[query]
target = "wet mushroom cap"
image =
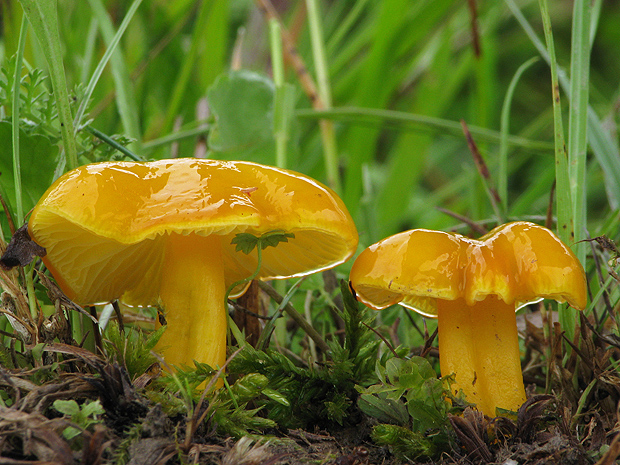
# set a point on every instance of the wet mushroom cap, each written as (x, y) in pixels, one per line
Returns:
(104, 225)
(518, 262)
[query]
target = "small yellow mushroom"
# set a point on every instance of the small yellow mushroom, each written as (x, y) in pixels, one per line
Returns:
(473, 288)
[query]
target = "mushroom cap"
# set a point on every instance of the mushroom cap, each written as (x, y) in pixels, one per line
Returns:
(105, 225)
(519, 262)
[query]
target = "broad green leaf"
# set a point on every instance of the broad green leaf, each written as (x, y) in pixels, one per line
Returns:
(38, 159)
(67, 407)
(92, 408)
(242, 102)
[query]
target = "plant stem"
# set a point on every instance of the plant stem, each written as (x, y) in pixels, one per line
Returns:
(279, 117)
(112, 143)
(17, 175)
(320, 64)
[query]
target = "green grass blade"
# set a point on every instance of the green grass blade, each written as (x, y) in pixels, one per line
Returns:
(112, 143)
(346, 27)
(604, 148)
(201, 130)
(330, 150)
(410, 121)
(595, 16)
(412, 151)
(17, 177)
(565, 225)
(578, 120)
(101, 18)
(502, 175)
(43, 17)
(208, 39)
(279, 122)
(89, 53)
(378, 80)
(125, 99)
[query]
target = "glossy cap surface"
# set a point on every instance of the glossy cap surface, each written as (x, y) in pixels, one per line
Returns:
(103, 224)
(518, 262)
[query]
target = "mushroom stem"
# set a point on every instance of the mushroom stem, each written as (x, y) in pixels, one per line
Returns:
(192, 293)
(480, 346)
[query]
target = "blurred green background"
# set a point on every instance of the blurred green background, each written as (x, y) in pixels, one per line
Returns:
(419, 57)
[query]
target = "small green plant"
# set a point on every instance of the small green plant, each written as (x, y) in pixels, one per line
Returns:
(84, 416)
(246, 242)
(230, 409)
(323, 394)
(404, 443)
(131, 348)
(412, 405)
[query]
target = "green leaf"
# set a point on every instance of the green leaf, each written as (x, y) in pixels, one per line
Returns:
(427, 406)
(71, 432)
(67, 407)
(242, 102)
(272, 239)
(92, 408)
(276, 396)
(246, 242)
(38, 158)
(384, 409)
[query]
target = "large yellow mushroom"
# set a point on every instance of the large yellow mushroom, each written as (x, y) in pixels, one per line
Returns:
(160, 233)
(473, 287)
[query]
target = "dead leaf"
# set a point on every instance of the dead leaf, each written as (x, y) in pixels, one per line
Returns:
(21, 250)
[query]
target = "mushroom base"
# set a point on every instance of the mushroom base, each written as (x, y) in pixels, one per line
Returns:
(479, 345)
(192, 293)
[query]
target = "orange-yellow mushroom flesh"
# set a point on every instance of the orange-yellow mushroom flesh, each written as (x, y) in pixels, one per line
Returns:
(161, 232)
(479, 344)
(193, 278)
(473, 287)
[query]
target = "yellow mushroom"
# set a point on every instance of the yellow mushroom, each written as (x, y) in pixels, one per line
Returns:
(160, 232)
(473, 287)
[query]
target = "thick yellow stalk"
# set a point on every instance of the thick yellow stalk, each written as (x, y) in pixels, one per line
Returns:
(192, 293)
(480, 345)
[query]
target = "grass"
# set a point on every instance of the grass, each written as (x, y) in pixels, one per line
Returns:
(371, 103)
